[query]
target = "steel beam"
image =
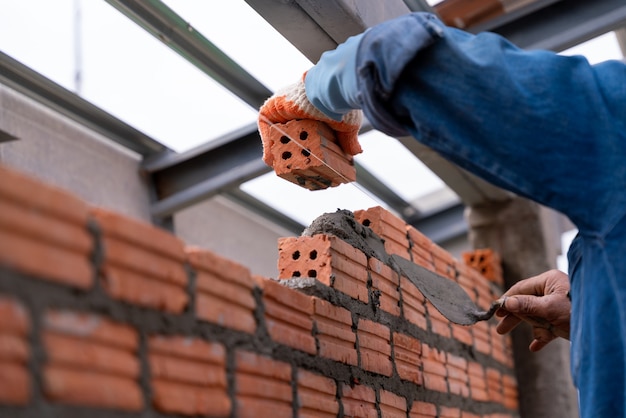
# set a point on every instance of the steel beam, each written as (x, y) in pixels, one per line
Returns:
(443, 225)
(563, 24)
(181, 180)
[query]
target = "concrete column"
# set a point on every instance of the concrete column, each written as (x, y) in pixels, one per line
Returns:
(518, 230)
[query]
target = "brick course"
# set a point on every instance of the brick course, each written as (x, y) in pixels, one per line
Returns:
(174, 330)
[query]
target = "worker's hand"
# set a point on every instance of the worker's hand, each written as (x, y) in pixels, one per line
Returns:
(542, 301)
(291, 103)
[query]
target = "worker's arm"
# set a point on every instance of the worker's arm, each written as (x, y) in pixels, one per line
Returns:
(539, 124)
(544, 297)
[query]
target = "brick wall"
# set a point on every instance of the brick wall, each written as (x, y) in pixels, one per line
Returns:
(105, 316)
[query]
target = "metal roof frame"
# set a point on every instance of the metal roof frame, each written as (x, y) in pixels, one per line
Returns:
(313, 26)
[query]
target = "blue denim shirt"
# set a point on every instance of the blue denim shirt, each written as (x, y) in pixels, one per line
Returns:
(544, 126)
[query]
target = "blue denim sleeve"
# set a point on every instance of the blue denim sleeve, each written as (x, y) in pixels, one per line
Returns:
(331, 85)
(544, 126)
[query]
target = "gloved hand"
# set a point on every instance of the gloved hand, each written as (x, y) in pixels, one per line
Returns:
(292, 103)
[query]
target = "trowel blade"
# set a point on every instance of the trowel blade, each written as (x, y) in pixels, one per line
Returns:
(446, 295)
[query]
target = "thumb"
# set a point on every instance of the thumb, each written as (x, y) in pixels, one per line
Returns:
(525, 305)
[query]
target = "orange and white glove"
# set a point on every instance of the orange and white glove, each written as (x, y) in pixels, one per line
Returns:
(291, 103)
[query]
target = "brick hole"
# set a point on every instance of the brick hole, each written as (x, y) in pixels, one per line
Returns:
(312, 273)
(284, 139)
(313, 255)
(295, 255)
(286, 155)
(296, 274)
(306, 152)
(481, 259)
(366, 222)
(304, 135)
(483, 270)
(472, 259)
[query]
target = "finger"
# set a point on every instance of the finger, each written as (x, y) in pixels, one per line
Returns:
(531, 286)
(543, 337)
(527, 306)
(507, 324)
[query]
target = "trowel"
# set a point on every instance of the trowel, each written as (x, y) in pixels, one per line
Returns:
(449, 298)
(446, 295)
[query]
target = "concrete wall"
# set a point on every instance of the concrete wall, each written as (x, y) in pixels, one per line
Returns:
(62, 152)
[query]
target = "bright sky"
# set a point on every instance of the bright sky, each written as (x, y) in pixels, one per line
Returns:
(130, 74)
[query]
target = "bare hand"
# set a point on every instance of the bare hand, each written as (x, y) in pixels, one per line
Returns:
(543, 302)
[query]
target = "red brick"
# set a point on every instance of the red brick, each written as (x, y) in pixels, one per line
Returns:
(148, 264)
(420, 248)
(443, 261)
(15, 382)
(192, 348)
(14, 348)
(465, 414)
(88, 355)
(485, 294)
(434, 364)
(224, 291)
(494, 385)
(498, 345)
(462, 333)
(408, 358)
(334, 332)
(93, 327)
(15, 385)
(482, 341)
(41, 226)
(387, 281)
(188, 376)
(13, 317)
(328, 259)
(423, 410)
(305, 152)
(477, 382)
(509, 389)
(439, 324)
(140, 290)
(316, 396)
(38, 196)
(139, 234)
(467, 278)
(197, 373)
(413, 303)
(105, 352)
(448, 412)
(142, 264)
(178, 398)
(392, 405)
(262, 386)
(374, 347)
(388, 226)
(45, 261)
(486, 261)
(359, 401)
(71, 386)
(458, 380)
(288, 316)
